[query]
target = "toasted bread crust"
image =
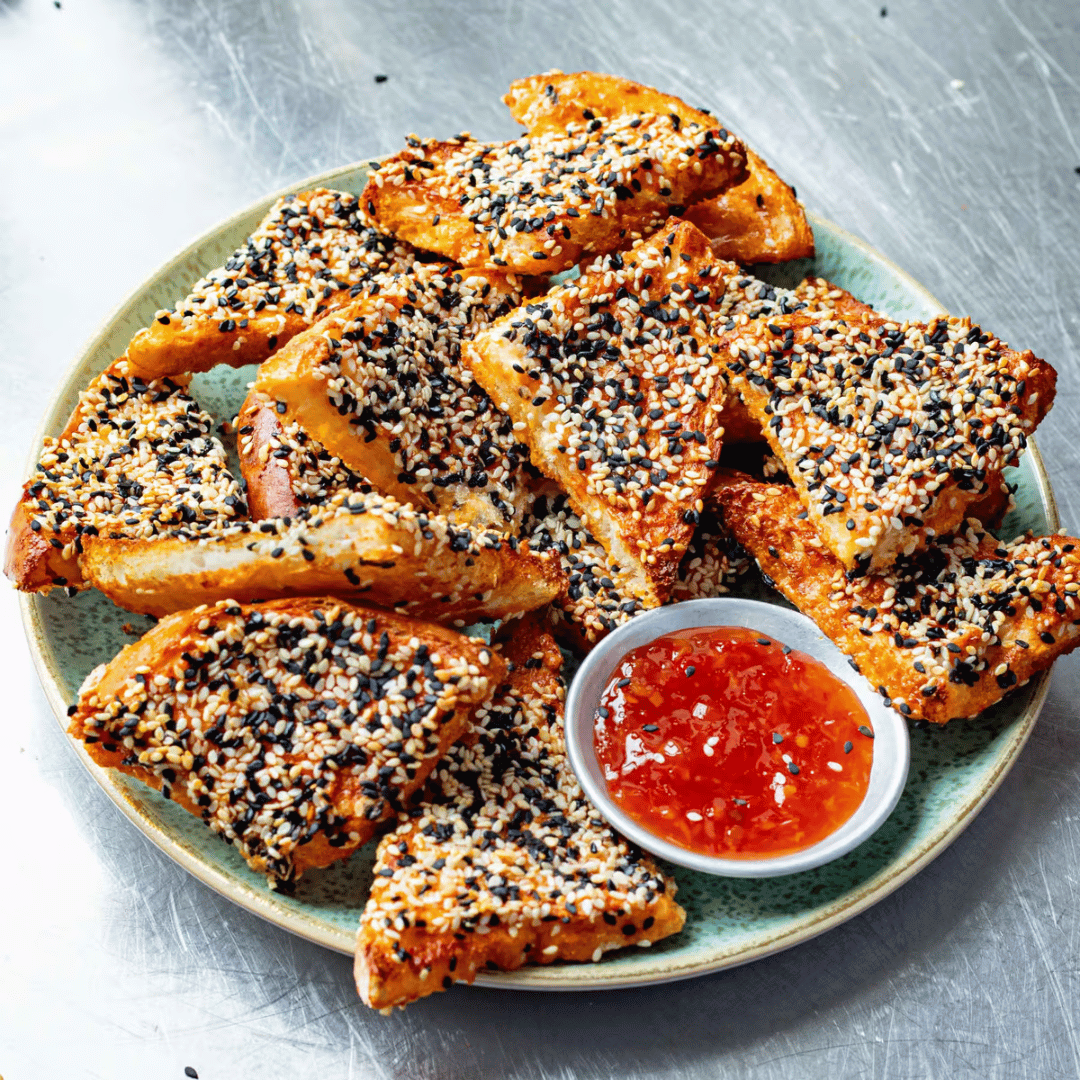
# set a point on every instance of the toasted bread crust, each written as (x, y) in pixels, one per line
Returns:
(637, 475)
(134, 459)
(508, 777)
(918, 435)
(379, 385)
(366, 547)
(932, 609)
(310, 255)
(548, 199)
(757, 221)
(127, 717)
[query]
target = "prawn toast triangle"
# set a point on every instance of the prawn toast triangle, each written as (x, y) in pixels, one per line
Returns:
(136, 459)
(757, 221)
(311, 253)
(611, 381)
(542, 202)
(292, 729)
(505, 862)
(943, 633)
(889, 432)
(380, 386)
(360, 546)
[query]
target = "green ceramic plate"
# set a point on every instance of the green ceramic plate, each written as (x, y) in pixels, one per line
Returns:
(953, 771)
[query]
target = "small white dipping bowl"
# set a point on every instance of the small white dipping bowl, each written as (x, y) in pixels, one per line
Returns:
(892, 749)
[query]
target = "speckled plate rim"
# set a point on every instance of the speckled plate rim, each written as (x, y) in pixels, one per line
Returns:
(584, 977)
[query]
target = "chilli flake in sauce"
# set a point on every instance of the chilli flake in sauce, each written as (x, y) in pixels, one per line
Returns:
(725, 741)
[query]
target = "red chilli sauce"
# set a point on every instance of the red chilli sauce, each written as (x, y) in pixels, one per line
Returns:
(727, 742)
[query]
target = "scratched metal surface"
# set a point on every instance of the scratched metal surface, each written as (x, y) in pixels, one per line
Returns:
(946, 136)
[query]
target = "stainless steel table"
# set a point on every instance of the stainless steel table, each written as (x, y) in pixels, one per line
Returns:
(945, 135)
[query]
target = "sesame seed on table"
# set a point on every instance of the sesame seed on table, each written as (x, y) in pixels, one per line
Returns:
(293, 729)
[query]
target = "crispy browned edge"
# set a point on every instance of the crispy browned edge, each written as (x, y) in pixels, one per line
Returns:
(951, 505)
(757, 221)
(160, 576)
(383, 981)
(765, 519)
(163, 645)
(492, 357)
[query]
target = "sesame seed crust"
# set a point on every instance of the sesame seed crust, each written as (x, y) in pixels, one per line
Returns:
(714, 564)
(757, 221)
(136, 459)
(311, 254)
(506, 862)
(294, 730)
(750, 298)
(380, 386)
(546, 200)
(599, 594)
(611, 380)
(889, 431)
(358, 547)
(943, 633)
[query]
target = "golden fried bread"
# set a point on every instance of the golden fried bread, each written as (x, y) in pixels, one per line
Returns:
(379, 385)
(757, 221)
(312, 253)
(889, 432)
(610, 381)
(135, 459)
(283, 467)
(586, 185)
(943, 633)
(295, 729)
(358, 547)
(505, 862)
